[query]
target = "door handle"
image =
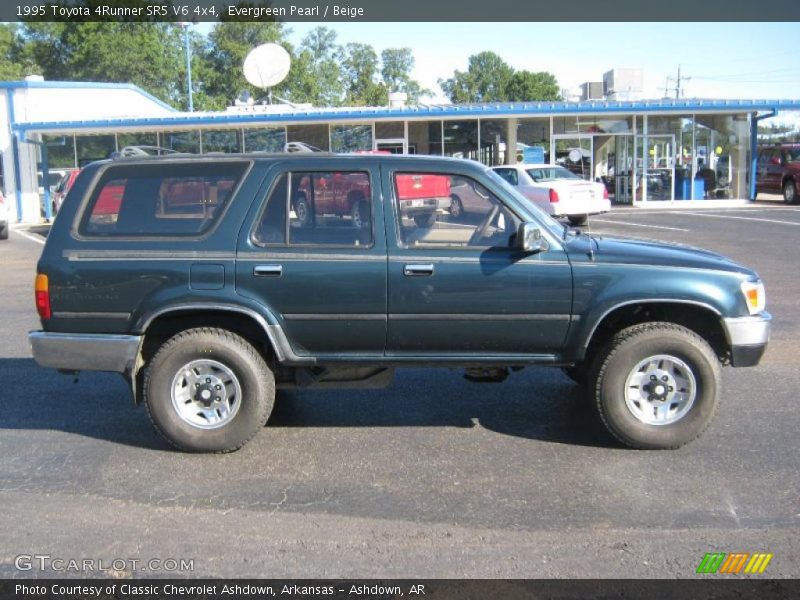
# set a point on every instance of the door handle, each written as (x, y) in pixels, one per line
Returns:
(418, 270)
(268, 270)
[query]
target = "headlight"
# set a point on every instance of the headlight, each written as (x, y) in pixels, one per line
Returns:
(754, 296)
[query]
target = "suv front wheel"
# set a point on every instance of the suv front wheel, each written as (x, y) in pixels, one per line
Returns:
(656, 385)
(208, 390)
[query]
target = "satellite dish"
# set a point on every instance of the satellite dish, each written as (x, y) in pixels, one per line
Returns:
(266, 65)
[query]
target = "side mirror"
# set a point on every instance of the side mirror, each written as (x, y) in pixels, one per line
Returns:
(529, 238)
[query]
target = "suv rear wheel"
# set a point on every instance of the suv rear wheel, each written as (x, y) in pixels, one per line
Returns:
(208, 390)
(789, 192)
(656, 385)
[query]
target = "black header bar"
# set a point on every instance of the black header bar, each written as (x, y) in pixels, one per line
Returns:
(431, 589)
(400, 10)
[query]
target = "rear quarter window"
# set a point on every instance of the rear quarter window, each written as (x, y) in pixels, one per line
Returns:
(161, 200)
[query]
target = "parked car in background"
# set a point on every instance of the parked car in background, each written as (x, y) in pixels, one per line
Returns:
(63, 186)
(3, 218)
(420, 196)
(557, 191)
(778, 171)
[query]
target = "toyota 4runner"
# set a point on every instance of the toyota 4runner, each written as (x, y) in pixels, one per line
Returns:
(203, 283)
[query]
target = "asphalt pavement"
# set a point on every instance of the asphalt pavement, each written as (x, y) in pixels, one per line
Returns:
(432, 477)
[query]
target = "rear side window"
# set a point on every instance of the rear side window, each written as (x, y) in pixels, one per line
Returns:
(317, 208)
(172, 199)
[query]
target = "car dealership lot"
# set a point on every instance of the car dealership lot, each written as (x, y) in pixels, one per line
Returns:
(432, 477)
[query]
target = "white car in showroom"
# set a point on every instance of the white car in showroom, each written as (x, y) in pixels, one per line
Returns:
(557, 191)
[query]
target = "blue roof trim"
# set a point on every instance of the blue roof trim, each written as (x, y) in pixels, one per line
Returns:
(93, 85)
(418, 112)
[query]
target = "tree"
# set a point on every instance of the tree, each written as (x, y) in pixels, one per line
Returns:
(397, 64)
(486, 80)
(218, 61)
(14, 63)
(490, 79)
(525, 86)
(146, 54)
(359, 64)
(316, 75)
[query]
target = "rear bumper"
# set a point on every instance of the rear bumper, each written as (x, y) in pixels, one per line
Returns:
(748, 338)
(407, 207)
(580, 207)
(85, 352)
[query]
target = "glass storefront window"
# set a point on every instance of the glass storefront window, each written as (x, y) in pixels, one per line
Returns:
(226, 140)
(351, 138)
(722, 148)
(461, 139)
(266, 139)
(390, 130)
(94, 147)
(533, 133)
(596, 124)
(137, 139)
(315, 135)
(563, 125)
(425, 137)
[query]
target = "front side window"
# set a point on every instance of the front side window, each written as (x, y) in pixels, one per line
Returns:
(330, 208)
(437, 210)
(183, 199)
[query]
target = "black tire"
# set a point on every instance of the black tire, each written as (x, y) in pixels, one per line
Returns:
(578, 220)
(255, 379)
(456, 207)
(360, 212)
(789, 192)
(302, 211)
(426, 221)
(617, 361)
(4, 232)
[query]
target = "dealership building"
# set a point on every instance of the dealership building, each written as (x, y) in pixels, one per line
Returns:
(649, 153)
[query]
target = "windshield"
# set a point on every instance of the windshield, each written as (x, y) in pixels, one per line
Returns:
(556, 228)
(550, 174)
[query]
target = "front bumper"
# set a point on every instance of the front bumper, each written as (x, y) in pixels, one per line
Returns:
(748, 338)
(85, 352)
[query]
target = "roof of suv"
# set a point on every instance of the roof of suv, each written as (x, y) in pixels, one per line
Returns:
(301, 156)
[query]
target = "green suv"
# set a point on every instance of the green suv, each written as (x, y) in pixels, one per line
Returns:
(198, 281)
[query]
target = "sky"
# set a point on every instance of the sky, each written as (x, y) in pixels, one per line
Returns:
(718, 60)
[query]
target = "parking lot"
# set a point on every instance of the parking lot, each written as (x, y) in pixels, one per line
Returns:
(432, 477)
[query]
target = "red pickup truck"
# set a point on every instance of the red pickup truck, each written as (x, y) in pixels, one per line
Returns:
(341, 194)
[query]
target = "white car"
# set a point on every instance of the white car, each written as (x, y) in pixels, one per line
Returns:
(3, 218)
(557, 191)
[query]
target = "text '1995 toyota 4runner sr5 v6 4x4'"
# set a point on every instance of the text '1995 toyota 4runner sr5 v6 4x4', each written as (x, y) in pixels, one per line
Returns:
(206, 289)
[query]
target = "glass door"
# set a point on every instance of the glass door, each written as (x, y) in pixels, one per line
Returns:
(620, 169)
(574, 152)
(656, 172)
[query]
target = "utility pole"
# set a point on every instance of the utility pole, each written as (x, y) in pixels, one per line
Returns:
(677, 80)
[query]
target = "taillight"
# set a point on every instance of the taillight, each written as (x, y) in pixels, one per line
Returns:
(553, 196)
(605, 193)
(43, 296)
